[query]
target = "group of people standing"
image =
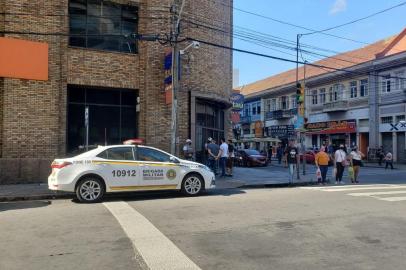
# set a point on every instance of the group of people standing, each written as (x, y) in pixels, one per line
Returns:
(341, 160)
(218, 155)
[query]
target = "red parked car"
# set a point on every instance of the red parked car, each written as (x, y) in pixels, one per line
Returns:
(251, 158)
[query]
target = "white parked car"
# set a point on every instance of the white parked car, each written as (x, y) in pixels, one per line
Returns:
(127, 168)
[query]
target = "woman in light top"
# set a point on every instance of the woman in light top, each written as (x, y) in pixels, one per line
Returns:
(356, 157)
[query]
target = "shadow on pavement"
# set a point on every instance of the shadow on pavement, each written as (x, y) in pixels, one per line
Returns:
(7, 206)
(155, 195)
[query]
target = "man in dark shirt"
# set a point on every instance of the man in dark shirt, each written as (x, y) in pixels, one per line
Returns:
(292, 159)
(213, 149)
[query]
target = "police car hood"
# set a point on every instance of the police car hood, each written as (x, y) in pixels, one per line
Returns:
(190, 163)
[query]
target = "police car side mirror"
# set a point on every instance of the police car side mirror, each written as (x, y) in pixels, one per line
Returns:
(174, 160)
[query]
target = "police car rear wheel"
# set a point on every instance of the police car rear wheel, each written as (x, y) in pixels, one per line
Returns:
(192, 185)
(90, 190)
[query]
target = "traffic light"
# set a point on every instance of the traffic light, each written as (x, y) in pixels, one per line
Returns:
(299, 93)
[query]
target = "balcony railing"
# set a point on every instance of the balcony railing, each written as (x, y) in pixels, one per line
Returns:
(336, 106)
(280, 114)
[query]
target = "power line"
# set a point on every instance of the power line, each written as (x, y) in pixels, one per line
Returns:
(356, 20)
(278, 39)
(249, 37)
(285, 59)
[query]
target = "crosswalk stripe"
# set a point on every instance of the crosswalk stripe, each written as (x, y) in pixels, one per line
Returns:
(391, 199)
(158, 252)
(360, 188)
(352, 186)
(376, 193)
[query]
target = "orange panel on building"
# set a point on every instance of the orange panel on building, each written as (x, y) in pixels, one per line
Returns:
(23, 59)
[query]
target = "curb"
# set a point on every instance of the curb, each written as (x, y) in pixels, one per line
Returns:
(36, 197)
(278, 185)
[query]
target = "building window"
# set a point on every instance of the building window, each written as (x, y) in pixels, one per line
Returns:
(400, 118)
(268, 105)
(363, 88)
(400, 82)
(386, 84)
(322, 95)
(254, 110)
(338, 91)
(284, 103)
(259, 108)
(353, 89)
(112, 116)
(293, 101)
(330, 94)
(314, 97)
(273, 104)
(102, 25)
(386, 120)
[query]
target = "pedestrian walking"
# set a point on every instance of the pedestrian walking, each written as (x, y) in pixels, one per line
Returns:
(213, 151)
(230, 160)
(270, 153)
(380, 155)
(321, 161)
(340, 159)
(223, 155)
(279, 153)
(188, 152)
(292, 160)
(389, 160)
(356, 162)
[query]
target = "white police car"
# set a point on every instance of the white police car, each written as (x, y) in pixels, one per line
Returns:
(127, 168)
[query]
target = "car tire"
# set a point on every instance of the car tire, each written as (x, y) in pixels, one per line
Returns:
(90, 190)
(192, 185)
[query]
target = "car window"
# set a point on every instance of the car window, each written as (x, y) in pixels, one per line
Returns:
(117, 153)
(148, 154)
(252, 152)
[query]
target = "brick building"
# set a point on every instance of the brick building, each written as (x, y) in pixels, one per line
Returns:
(92, 63)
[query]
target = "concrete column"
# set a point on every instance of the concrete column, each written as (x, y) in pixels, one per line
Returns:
(373, 102)
(379, 139)
(395, 146)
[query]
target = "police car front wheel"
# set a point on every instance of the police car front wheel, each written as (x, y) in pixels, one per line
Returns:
(192, 185)
(90, 190)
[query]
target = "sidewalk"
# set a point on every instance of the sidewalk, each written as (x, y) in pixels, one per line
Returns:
(22, 192)
(243, 178)
(274, 175)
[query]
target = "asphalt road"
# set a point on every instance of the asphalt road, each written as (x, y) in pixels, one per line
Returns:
(284, 228)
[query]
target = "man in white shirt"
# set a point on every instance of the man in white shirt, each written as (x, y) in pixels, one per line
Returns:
(340, 159)
(223, 154)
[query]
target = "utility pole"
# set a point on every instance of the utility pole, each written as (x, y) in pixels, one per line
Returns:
(297, 84)
(175, 72)
(304, 115)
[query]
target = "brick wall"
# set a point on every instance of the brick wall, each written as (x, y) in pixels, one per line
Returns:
(33, 113)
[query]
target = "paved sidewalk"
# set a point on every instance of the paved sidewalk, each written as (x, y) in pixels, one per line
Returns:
(274, 175)
(21, 192)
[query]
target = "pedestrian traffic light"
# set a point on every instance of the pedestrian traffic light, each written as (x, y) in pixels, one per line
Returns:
(299, 93)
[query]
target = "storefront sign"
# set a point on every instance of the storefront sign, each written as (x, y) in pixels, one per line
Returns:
(282, 131)
(398, 127)
(332, 127)
(238, 102)
(259, 131)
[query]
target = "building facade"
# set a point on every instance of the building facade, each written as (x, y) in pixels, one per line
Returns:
(95, 67)
(361, 102)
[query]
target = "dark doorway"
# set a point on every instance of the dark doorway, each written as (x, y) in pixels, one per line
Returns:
(112, 116)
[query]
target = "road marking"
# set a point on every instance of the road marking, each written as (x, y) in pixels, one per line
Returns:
(392, 199)
(361, 188)
(154, 247)
(351, 186)
(376, 193)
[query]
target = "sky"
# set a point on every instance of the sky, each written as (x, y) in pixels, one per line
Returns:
(314, 14)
